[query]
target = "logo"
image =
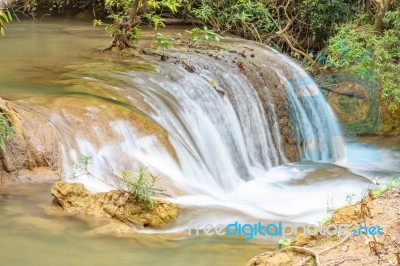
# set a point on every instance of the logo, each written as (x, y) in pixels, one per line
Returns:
(279, 229)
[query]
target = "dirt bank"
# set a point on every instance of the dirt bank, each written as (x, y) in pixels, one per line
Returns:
(354, 249)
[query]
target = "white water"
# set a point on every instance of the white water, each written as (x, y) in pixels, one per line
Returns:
(230, 156)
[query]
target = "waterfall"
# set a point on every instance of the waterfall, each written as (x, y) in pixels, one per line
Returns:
(316, 128)
(222, 142)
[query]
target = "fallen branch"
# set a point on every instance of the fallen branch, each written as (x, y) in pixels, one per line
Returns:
(336, 245)
(306, 251)
(350, 94)
(184, 21)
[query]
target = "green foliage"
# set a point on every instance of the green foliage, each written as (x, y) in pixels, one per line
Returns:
(197, 35)
(172, 5)
(349, 198)
(164, 42)
(140, 184)
(97, 22)
(125, 24)
(6, 131)
(325, 220)
(322, 16)
(358, 48)
(395, 183)
(245, 18)
(284, 243)
(156, 21)
(5, 17)
(330, 208)
(307, 23)
(312, 263)
(80, 167)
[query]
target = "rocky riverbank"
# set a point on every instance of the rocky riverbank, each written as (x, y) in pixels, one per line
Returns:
(353, 249)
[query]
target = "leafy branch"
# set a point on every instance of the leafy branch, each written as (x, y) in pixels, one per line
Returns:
(5, 17)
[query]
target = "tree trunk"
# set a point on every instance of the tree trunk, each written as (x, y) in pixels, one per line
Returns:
(120, 39)
(382, 7)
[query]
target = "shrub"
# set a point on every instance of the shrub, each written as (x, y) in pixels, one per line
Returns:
(357, 47)
(141, 184)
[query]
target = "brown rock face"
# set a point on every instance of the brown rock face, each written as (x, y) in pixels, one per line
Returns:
(390, 120)
(34, 147)
(75, 198)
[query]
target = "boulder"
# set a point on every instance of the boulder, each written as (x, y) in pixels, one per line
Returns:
(75, 198)
(34, 149)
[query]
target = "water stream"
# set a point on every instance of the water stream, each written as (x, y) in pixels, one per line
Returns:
(221, 156)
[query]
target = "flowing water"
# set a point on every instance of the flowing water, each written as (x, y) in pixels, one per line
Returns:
(222, 157)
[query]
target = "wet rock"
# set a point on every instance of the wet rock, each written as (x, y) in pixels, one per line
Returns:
(75, 198)
(34, 146)
(390, 120)
(36, 223)
(118, 229)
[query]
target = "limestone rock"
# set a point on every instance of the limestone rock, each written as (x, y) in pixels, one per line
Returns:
(75, 198)
(34, 147)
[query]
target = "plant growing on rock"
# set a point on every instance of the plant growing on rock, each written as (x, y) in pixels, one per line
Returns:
(80, 167)
(141, 184)
(349, 198)
(197, 35)
(165, 43)
(284, 243)
(6, 131)
(395, 183)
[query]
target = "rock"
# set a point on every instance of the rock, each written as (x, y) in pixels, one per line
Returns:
(302, 240)
(346, 215)
(34, 147)
(114, 229)
(280, 259)
(36, 223)
(75, 198)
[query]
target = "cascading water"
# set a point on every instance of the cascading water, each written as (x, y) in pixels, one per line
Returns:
(316, 127)
(260, 152)
(227, 149)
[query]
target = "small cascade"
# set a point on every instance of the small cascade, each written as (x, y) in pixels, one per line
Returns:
(221, 142)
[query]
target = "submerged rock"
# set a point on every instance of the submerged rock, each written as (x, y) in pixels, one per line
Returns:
(38, 224)
(75, 198)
